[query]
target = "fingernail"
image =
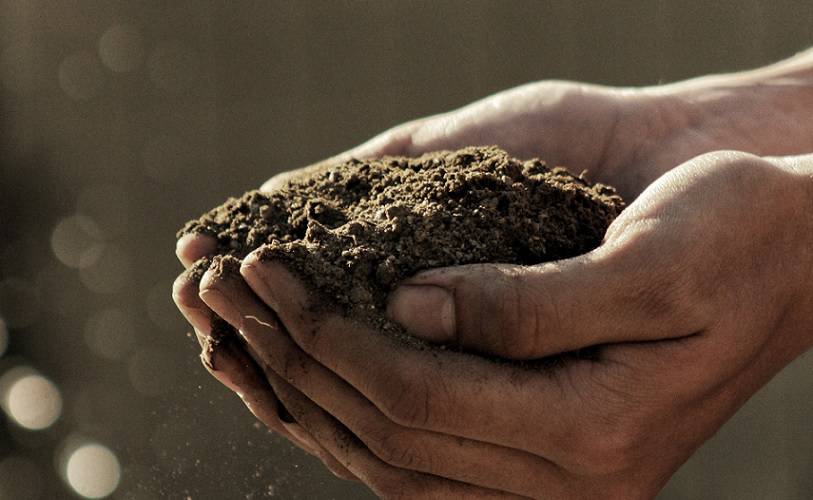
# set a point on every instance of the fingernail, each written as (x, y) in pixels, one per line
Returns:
(426, 311)
(217, 344)
(193, 246)
(258, 274)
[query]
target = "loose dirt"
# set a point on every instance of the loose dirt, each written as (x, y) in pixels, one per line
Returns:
(354, 231)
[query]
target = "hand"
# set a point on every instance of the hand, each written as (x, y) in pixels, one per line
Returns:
(529, 121)
(225, 356)
(622, 136)
(699, 295)
(625, 137)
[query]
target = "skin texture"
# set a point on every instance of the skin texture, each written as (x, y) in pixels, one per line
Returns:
(699, 295)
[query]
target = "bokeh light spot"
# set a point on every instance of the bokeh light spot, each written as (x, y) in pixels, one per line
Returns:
(110, 273)
(107, 205)
(77, 241)
(33, 402)
(93, 471)
(81, 75)
(110, 333)
(121, 48)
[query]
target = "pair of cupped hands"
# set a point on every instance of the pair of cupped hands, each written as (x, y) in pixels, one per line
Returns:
(699, 294)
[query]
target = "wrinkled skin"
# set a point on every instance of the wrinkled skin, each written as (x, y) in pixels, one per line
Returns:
(698, 295)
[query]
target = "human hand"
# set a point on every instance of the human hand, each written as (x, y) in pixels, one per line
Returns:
(225, 357)
(529, 120)
(625, 137)
(699, 295)
(621, 136)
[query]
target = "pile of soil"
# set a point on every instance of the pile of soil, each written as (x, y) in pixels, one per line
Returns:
(355, 230)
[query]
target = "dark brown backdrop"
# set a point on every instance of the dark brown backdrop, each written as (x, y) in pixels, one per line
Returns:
(139, 114)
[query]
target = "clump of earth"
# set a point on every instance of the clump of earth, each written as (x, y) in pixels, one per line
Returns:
(353, 231)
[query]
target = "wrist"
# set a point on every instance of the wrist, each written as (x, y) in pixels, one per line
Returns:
(800, 315)
(768, 111)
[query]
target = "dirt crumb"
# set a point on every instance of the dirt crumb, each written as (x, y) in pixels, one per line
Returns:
(356, 230)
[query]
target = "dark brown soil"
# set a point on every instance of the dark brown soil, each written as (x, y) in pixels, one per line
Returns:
(353, 232)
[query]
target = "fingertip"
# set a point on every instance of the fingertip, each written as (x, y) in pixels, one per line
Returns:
(181, 290)
(251, 260)
(191, 247)
(222, 275)
(209, 282)
(217, 296)
(426, 311)
(185, 293)
(225, 358)
(266, 276)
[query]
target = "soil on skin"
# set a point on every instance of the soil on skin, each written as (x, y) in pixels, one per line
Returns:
(354, 231)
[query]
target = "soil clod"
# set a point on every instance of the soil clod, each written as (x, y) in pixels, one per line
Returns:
(356, 230)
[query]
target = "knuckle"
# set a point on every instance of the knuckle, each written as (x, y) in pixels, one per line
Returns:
(510, 315)
(677, 293)
(659, 296)
(694, 300)
(612, 449)
(517, 327)
(534, 310)
(740, 160)
(405, 400)
(731, 159)
(396, 449)
(735, 169)
(293, 369)
(407, 411)
(504, 316)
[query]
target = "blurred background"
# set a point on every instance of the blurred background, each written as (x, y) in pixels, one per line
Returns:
(120, 120)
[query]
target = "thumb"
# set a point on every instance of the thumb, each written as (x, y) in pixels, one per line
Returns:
(529, 312)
